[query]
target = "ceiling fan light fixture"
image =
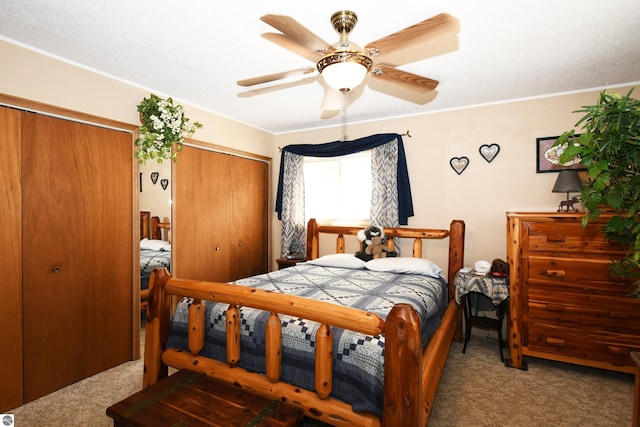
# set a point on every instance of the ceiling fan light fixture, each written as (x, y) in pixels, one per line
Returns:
(344, 70)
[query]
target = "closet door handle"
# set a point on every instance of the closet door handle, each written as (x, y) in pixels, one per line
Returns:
(56, 269)
(217, 247)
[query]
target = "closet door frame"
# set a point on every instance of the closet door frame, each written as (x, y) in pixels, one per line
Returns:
(68, 114)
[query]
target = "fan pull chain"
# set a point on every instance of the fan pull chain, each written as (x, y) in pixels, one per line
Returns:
(345, 137)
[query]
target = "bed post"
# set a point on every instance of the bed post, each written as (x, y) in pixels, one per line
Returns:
(456, 262)
(313, 242)
(157, 328)
(402, 368)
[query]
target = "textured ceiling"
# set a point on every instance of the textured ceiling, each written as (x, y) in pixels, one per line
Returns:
(196, 50)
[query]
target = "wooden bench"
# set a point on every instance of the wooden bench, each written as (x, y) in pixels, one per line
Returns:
(193, 399)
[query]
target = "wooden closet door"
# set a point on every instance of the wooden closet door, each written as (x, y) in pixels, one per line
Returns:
(200, 224)
(77, 246)
(10, 261)
(249, 217)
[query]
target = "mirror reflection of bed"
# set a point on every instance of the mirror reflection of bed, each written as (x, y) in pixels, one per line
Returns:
(154, 204)
(155, 251)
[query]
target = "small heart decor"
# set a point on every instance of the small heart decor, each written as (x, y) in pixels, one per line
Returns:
(459, 164)
(154, 177)
(164, 183)
(489, 151)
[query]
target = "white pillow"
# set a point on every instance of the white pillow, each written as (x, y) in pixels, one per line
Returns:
(155, 245)
(339, 260)
(406, 265)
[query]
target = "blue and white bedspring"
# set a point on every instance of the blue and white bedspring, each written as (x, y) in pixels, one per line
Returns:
(359, 359)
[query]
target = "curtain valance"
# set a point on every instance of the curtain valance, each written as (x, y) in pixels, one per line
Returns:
(340, 148)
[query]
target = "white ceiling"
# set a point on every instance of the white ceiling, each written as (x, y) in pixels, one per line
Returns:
(196, 50)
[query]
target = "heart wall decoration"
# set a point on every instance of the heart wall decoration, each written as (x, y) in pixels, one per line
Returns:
(459, 164)
(154, 177)
(489, 151)
(164, 183)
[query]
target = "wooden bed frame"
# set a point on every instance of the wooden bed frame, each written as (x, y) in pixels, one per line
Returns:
(411, 374)
(150, 228)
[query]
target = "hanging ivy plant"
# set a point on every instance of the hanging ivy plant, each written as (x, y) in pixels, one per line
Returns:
(163, 124)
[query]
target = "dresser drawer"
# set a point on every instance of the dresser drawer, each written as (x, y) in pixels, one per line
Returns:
(594, 273)
(591, 311)
(569, 237)
(601, 346)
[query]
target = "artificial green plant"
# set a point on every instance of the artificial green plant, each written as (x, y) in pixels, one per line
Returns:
(163, 125)
(609, 147)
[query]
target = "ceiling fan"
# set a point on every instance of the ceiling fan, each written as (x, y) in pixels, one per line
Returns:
(344, 65)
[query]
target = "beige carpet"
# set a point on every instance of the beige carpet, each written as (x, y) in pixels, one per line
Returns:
(475, 390)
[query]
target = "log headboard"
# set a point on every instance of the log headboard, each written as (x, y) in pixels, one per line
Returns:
(455, 234)
(151, 227)
(145, 221)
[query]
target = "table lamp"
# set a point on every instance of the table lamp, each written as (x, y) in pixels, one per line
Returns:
(568, 181)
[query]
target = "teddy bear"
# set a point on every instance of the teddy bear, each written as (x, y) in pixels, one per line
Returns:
(377, 249)
(372, 244)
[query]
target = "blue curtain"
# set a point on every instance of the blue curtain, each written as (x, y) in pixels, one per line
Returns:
(340, 148)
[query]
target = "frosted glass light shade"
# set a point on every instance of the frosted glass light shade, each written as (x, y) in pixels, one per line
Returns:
(344, 75)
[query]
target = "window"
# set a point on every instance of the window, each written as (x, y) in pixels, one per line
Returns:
(338, 188)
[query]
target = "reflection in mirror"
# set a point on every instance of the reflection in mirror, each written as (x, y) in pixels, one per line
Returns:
(155, 222)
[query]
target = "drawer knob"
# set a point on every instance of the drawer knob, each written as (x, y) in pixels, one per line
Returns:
(556, 307)
(556, 273)
(559, 342)
(616, 349)
(556, 238)
(619, 314)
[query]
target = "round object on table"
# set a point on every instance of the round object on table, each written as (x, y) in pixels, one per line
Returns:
(482, 267)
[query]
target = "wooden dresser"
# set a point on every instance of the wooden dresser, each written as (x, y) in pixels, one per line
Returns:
(565, 305)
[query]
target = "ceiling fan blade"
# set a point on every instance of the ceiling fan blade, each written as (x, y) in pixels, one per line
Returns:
(429, 30)
(402, 84)
(290, 44)
(333, 99)
(403, 78)
(276, 76)
(276, 87)
(296, 32)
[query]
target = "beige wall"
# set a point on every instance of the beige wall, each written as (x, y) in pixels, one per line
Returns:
(30, 75)
(484, 191)
(152, 197)
(480, 196)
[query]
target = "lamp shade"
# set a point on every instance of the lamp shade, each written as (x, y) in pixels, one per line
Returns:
(344, 70)
(567, 182)
(344, 75)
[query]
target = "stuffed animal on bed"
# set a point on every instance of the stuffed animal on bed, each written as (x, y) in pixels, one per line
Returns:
(373, 244)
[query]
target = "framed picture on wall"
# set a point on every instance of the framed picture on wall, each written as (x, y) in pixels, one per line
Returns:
(548, 156)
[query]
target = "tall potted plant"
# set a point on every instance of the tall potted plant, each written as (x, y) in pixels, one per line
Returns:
(609, 147)
(163, 125)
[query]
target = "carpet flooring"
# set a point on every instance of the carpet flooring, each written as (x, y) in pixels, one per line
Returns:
(475, 390)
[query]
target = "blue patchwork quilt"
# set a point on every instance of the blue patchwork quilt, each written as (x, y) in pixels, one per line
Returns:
(150, 260)
(359, 359)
